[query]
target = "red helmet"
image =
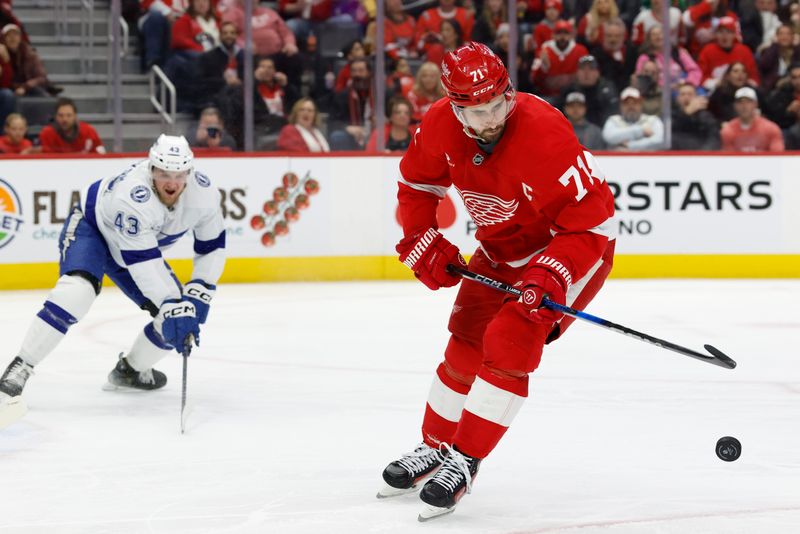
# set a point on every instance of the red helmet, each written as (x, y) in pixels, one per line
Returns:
(472, 75)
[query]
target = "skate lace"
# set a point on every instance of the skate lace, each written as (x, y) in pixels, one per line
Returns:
(419, 460)
(454, 469)
(19, 372)
(147, 377)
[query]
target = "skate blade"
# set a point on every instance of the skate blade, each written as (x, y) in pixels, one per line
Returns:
(387, 491)
(12, 410)
(429, 512)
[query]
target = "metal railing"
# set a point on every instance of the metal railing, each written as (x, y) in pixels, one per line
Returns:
(160, 103)
(87, 38)
(60, 19)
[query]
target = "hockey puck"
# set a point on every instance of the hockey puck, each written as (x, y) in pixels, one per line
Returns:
(728, 449)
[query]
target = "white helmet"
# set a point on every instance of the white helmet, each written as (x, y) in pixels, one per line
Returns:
(171, 153)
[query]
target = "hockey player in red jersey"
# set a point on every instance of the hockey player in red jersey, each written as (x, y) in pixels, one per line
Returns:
(543, 212)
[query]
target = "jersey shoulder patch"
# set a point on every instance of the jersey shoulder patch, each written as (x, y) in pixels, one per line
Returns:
(202, 179)
(141, 194)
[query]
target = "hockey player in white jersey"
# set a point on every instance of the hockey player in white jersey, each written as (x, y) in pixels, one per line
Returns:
(119, 230)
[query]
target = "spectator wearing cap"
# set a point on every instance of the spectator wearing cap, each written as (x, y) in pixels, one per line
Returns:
(557, 61)
(721, 101)
(68, 134)
(590, 135)
(783, 104)
(749, 131)
(615, 55)
(682, 67)
(774, 61)
(590, 27)
(429, 23)
(544, 30)
(601, 96)
(717, 55)
(28, 75)
(701, 19)
(14, 141)
(693, 126)
(632, 129)
(647, 18)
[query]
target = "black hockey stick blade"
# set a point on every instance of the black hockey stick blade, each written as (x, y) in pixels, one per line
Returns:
(187, 350)
(716, 356)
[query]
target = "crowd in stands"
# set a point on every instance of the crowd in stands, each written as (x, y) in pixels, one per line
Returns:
(733, 71)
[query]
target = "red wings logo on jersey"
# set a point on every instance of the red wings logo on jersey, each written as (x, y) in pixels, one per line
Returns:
(487, 210)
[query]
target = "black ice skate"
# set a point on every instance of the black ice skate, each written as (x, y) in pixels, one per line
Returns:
(442, 492)
(12, 407)
(125, 376)
(13, 380)
(404, 475)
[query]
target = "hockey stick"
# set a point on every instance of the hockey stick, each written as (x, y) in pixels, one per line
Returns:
(187, 350)
(11, 410)
(717, 357)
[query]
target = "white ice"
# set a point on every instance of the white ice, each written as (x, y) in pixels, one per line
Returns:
(301, 393)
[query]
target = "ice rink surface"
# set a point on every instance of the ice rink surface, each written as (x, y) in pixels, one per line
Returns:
(301, 393)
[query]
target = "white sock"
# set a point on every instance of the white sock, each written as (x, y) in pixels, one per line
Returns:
(145, 353)
(67, 303)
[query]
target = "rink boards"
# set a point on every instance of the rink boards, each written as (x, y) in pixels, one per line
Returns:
(679, 215)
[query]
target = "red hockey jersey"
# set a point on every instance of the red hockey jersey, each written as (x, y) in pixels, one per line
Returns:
(538, 190)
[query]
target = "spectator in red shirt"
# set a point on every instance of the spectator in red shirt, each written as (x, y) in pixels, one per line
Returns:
(353, 50)
(716, 56)
(302, 134)
(398, 31)
(430, 23)
(28, 75)
(590, 28)
(14, 141)
(557, 61)
(451, 38)
(400, 81)
(543, 31)
(398, 130)
(702, 18)
(427, 90)
(197, 30)
(749, 131)
(68, 135)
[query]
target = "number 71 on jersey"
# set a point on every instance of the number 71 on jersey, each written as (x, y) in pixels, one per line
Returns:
(591, 171)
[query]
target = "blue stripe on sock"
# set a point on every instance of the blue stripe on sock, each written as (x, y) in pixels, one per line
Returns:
(56, 316)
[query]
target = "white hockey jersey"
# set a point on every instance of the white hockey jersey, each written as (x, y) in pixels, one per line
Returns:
(137, 226)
